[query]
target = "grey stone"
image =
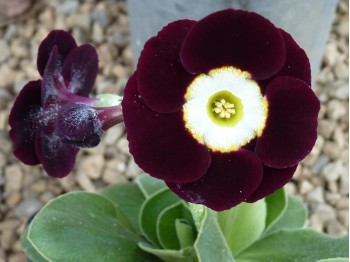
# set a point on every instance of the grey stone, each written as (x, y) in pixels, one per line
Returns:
(331, 149)
(28, 207)
(113, 134)
(83, 21)
(325, 127)
(97, 33)
(335, 228)
(4, 50)
(341, 70)
(67, 7)
(336, 109)
(339, 90)
(319, 164)
(92, 166)
(316, 195)
(101, 16)
(14, 177)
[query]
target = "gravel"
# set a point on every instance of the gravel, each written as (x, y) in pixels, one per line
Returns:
(321, 181)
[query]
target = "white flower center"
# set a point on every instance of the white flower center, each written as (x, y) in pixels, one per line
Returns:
(225, 109)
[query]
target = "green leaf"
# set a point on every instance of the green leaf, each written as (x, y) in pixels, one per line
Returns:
(276, 204)
(128, 198)
(210, 243)
(243, 224)
(184, 255)
(29, 249)
(149, 185)
(294, 216)
(185, 233)
(150, 211)
(290, 245)
(81, 226)
(337, 259)
(166, 230)
(198, 213)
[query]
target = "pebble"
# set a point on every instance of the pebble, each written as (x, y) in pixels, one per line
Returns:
(331, 172)
(331, 53)
(4, 50)
(101, 17)
(13, 199)
(335, 228)
(331, 149)
(123, 145)
(305, 187)
(133, 169)
(82, 21)
(110, 176)
(17, 257)
(13, 177)
(85, 182)
(316, 195)
(339, 90)
(343, 216)
(341, 70)
(336, 109)
(97, 33)
(67, 7)
(92, 166)
(325, 127)
(28, 207)
(113, 134)
(319, 164)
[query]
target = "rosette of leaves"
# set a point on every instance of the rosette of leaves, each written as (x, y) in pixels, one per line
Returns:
(145, 221)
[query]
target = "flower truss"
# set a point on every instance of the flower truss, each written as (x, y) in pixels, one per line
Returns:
(52, 117)
(221, 109)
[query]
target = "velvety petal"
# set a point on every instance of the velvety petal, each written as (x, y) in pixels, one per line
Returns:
(56, 157)
(78, 125)
(234, 38)
(160, 144)
(297, 63)
(80, 69)
(273, 179)
(291, 126)
(24, 121)
(162, 80)
(230, 180)
(51, 82)
(64, 42)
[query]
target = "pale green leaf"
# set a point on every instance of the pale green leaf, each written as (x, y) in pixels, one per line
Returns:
(276, 204)
(184, 255)
(166, 230)
(210, 243)
(149, 185)
(150, 211)
(336, 259)
(29, 249)
(243, 224)
(128, 198)
(81, 226)
(185, 232)
(294, 216)
(301, 245)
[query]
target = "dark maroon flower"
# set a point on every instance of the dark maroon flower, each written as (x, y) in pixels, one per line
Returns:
(221, 109)
(53, 117)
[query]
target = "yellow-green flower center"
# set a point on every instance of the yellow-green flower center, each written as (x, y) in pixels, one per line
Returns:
(224, 108)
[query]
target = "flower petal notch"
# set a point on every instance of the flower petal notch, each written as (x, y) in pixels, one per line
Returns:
(52, 118)
(237, 119)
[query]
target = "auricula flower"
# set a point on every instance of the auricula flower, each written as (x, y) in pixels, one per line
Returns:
(53, 117)
(221, 109)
